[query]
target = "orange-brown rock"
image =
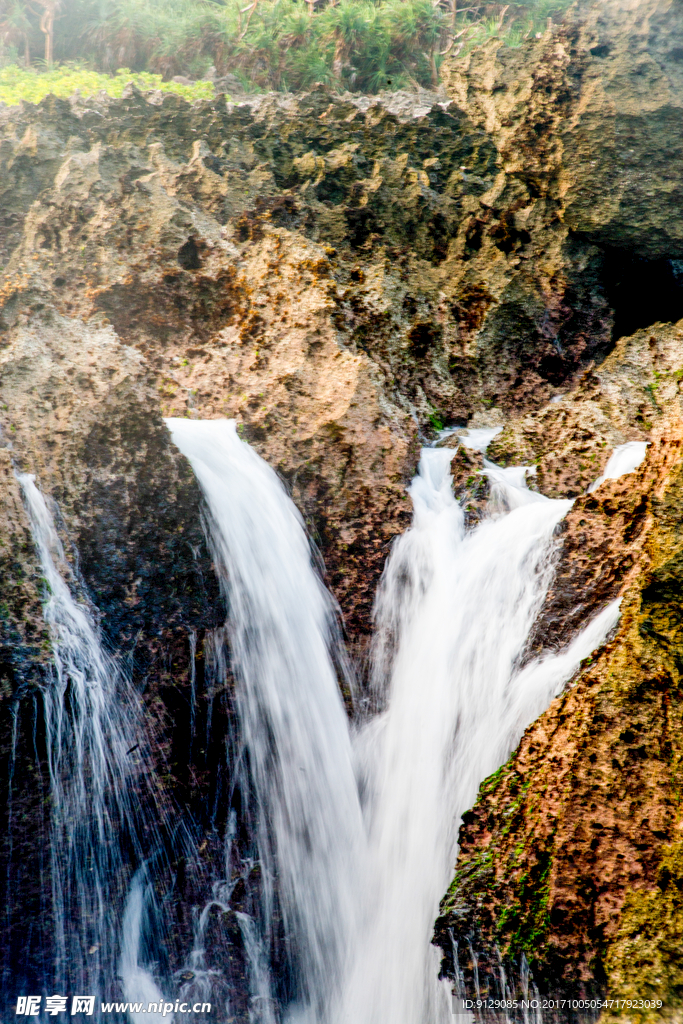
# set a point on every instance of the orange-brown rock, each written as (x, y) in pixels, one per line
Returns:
(470, 486)
(571, 854)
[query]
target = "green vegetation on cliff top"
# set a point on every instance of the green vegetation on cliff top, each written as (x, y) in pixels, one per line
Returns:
(18, 83)
(359, 45)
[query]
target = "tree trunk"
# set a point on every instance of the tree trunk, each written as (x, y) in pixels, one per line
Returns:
(47, 27)
(243, 32)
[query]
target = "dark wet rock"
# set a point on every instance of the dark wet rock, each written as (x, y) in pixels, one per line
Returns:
(470, 485)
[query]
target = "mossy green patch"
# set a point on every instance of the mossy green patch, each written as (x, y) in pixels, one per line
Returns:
(645, 960)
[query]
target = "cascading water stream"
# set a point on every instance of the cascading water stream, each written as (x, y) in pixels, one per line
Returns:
(280, 630)
(359, 881)
(98, 775)
(454, 612)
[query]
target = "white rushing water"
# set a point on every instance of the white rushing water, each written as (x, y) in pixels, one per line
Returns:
(292, 716)
(138, 984)
(479, 438)
(454, 612)
(624, 459)
(95, 746)
(360, 878)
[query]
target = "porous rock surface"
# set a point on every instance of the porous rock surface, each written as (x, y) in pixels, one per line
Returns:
(566, 856)
(570, 858)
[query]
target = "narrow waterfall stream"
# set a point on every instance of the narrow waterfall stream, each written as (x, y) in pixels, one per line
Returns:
(99, 776)
(359, 824)
(280, 631)
(453, 614)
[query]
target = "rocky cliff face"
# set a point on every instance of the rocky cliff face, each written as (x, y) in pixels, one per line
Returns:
(342, 276)
(569, 855)
(336, 275)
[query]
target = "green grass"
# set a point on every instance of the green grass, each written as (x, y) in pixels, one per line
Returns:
(18, 83)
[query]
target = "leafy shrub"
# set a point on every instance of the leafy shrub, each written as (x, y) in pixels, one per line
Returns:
(19, 83)
(361, 45)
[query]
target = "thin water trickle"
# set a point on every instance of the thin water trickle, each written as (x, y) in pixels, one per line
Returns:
(138, 984)
(262, 1004)
(359, 880)
(624, 459)
(96, 749)
(89, 726)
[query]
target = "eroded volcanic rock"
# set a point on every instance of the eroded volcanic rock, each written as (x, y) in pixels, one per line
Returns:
(570, 855)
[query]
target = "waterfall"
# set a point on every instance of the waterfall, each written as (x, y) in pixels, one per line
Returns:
(359, 824)
(98, 771)
(453, 613)
(138, 984)
(280, 631)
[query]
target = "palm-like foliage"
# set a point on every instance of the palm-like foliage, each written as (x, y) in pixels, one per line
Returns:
(15, 28)
(363, 45)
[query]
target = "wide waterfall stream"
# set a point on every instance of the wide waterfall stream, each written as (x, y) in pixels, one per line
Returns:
(359, 822)
(356, 822)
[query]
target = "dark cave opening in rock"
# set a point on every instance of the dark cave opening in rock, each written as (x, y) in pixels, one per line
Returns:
(642, 292)
(188, 255)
